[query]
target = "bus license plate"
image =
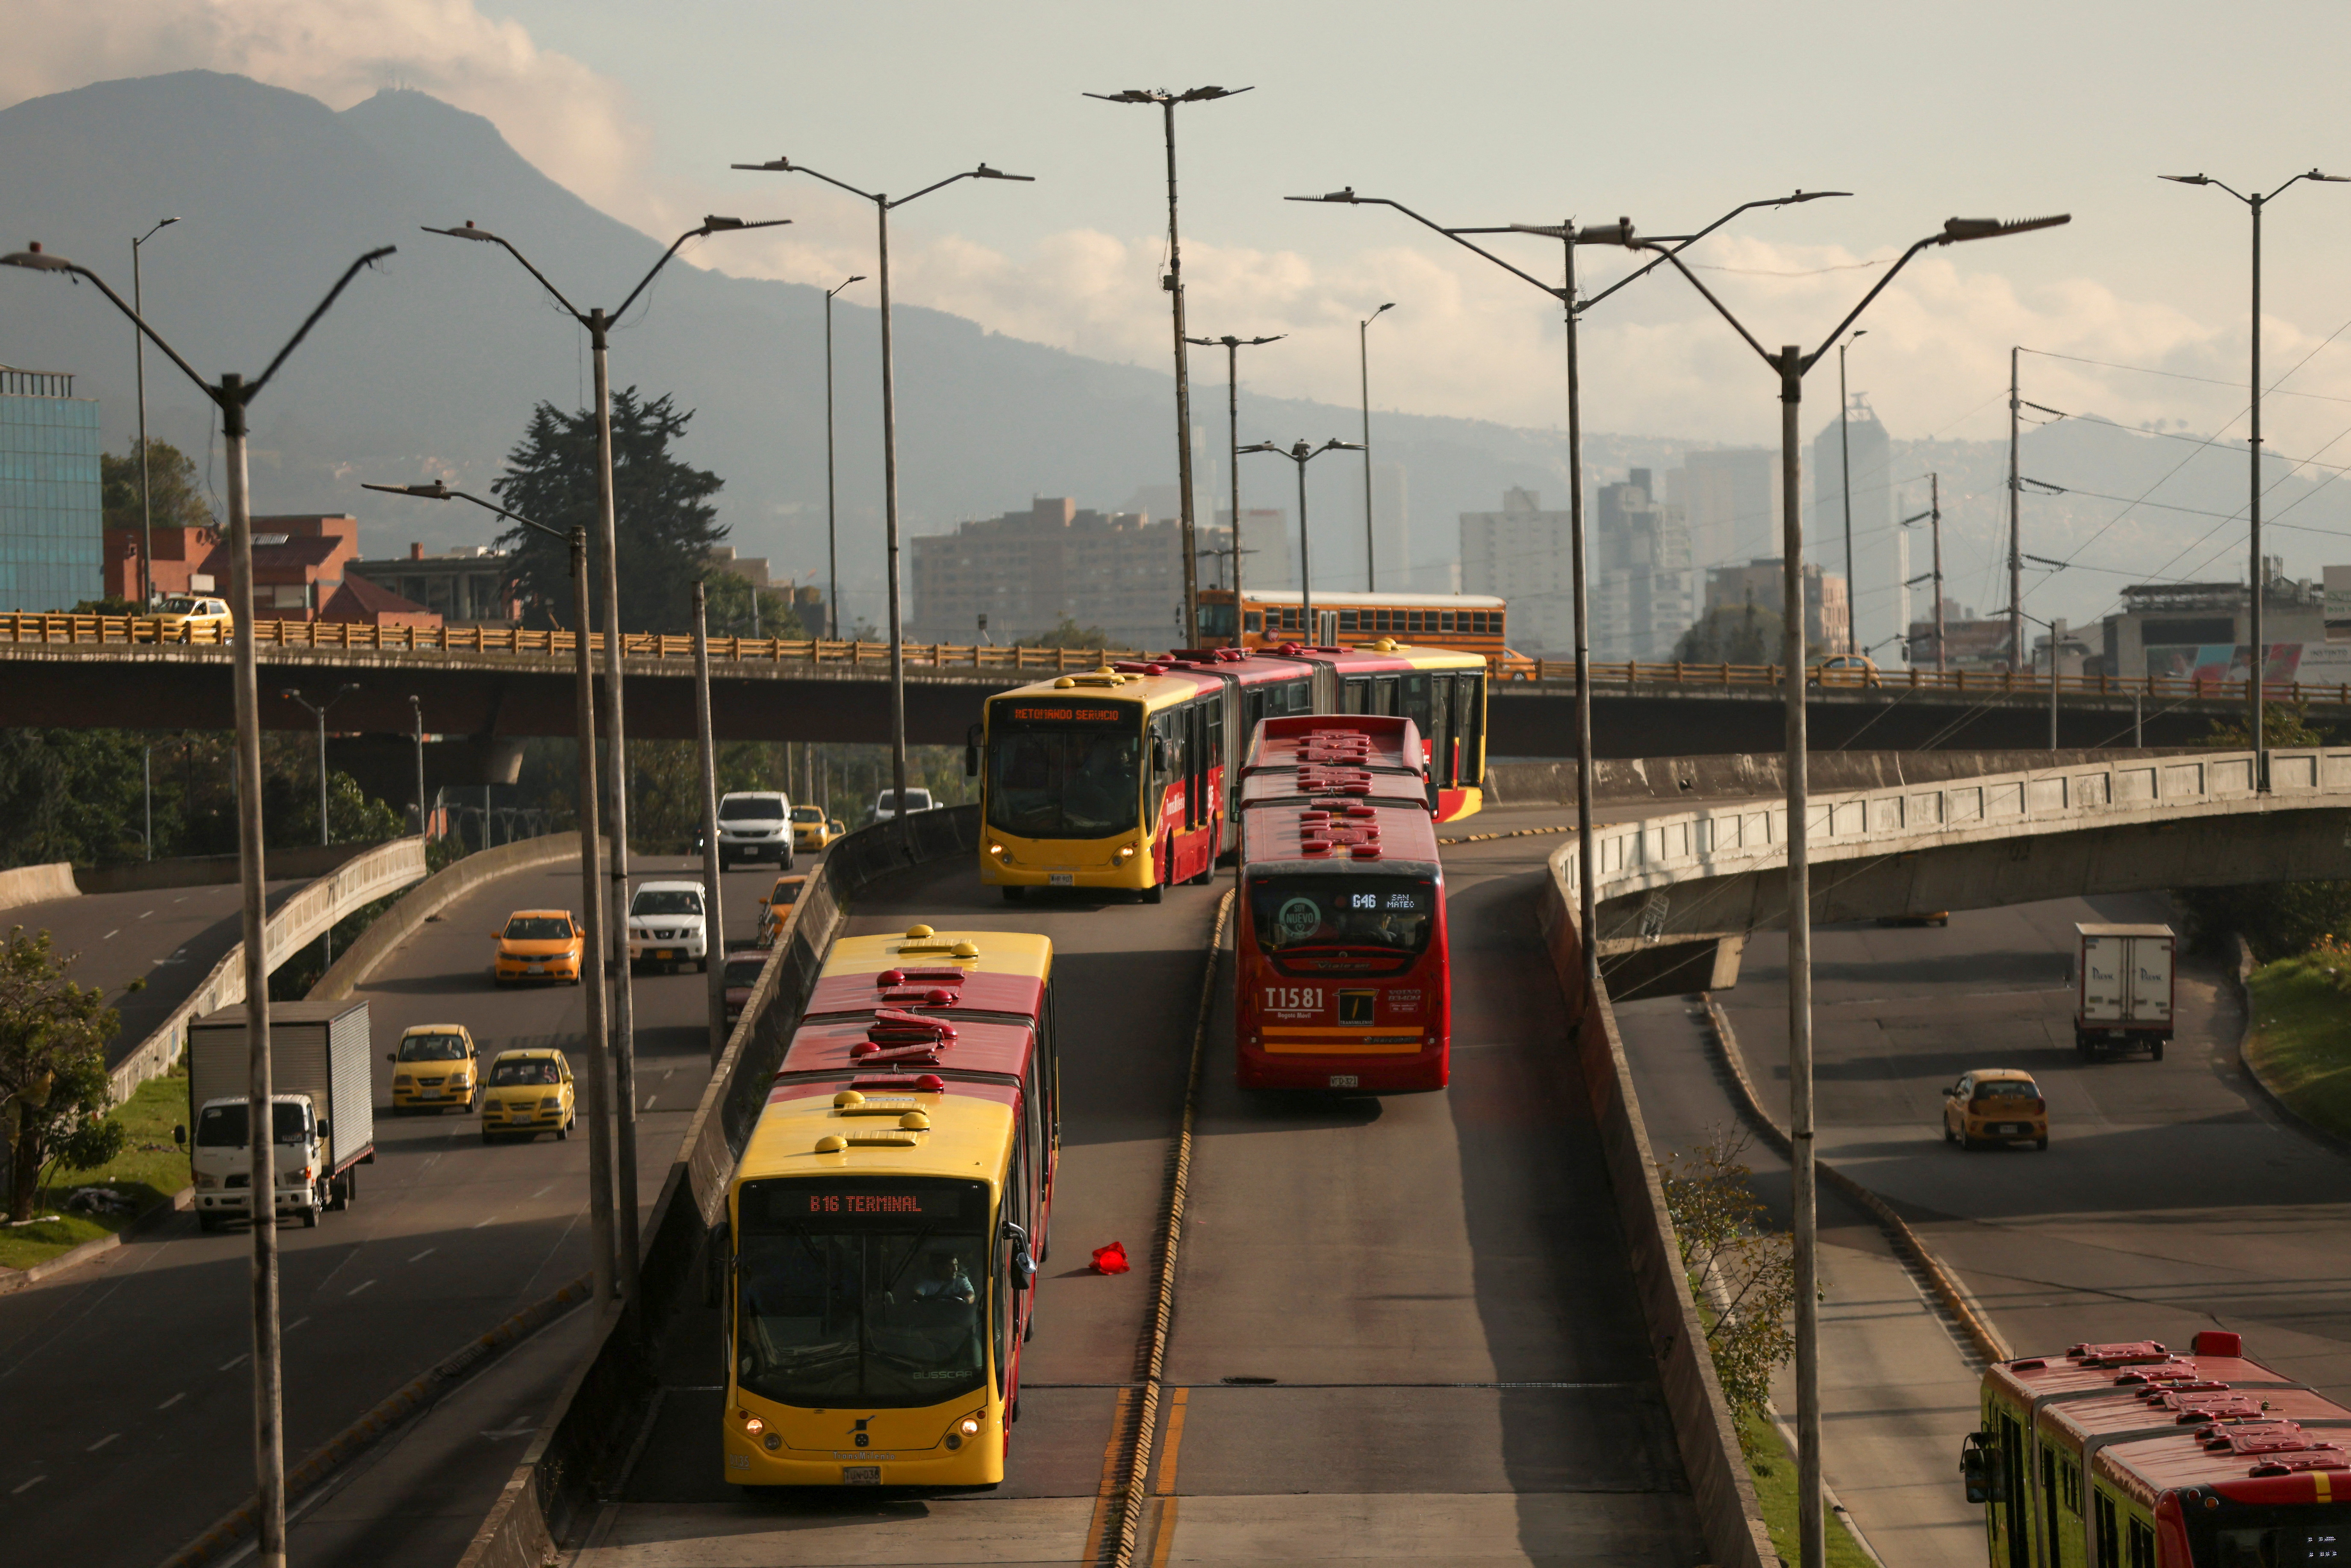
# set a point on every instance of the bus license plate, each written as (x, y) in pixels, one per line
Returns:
(861, 1475)
(1060, 879)
(1345, 1081)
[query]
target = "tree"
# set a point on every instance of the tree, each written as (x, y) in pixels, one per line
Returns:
(1068, 634)
(663, 519)
(175, 488)
(1743, 1274)
(728, 610)
(2283, 723)
(53, 1078)
(1728, 635)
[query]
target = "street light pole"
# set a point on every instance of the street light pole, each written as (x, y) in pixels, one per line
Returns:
(1302, 454)
(714, 912)
(1173, 284)
(883, 206)
(1233, 347)
(1844, 488)
(601, 1261)
(416, 707)
(1364, 370)
(2258, 676)
(1790, 365)
(832, 491)
(233, 395)
(318, 712)
(146, 504)
(599, 324)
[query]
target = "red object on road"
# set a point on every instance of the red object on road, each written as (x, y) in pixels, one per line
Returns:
(1111, 1260)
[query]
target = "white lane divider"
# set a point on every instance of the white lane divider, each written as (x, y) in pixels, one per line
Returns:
(423, 1255)
(479, 1223)
(144, 916)
(175, 1398)
(101, 1442)
(235, 1362)
(363, 1285)
(297, 1323)
(112, 935)
(29, 1485)
(542, 1192)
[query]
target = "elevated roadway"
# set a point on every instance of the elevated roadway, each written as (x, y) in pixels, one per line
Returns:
(127, 1379)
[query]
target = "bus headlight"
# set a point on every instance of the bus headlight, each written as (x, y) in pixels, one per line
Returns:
(964, 1429)
(1126, 851)
(754, 1425)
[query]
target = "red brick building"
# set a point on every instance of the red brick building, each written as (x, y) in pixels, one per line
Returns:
(297, 570)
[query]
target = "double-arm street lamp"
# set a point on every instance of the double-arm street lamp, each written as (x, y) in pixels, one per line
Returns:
(146, 467)
(1363, 374)
(1302, 454)
(1173, 284)
(318, 712)
(234, 395)
(1790, 365)
(2253, 205)
(591, 893)
(598, 323)
(1233, 347)
(883, 206)
(1564, 292)
(831, 490)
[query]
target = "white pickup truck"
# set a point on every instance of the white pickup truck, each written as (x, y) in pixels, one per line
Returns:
(322, 1112)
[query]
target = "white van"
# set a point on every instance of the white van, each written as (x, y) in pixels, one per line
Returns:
(755, 825)
(885, 804)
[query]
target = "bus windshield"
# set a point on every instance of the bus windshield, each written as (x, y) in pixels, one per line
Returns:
(1297, 915)
(1063, 769)
(869, 1292)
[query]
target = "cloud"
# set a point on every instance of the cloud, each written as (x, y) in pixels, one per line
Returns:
(571, 122)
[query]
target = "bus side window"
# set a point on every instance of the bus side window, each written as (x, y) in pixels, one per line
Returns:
(1468, 728)
(1255, 621)
(1383, 695)
(1352, 696)
(1348, 622)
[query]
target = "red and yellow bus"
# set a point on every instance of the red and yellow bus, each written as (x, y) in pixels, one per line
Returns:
(1265, 618)
(886, 1222)
(1116, 779)
(2133, 1456)
(1343, 979)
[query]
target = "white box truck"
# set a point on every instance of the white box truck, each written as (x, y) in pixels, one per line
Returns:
(323, 1109)
(2124, 988)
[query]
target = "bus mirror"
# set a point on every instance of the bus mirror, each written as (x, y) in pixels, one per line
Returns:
(1978, 1469)
(1022, 1273)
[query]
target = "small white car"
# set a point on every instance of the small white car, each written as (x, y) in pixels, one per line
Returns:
(666, 926)
(885, 804)
(755, 825)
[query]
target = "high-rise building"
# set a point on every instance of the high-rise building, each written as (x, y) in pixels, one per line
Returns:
(52, 522)
(1271, 558)
(1729, 501)
(1758, 583)
(1521, 554)
(1026, 572)
(1876, 569)
(1643, 592)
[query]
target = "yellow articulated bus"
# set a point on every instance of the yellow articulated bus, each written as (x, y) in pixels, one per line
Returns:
(884, 1229)
(1118, 780)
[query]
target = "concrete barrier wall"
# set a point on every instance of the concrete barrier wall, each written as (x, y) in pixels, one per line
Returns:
(36, 883)
(1615, 781)
(370, 874)
(429, 898)
(585, 1442)
(207, 871)
(1727, 1507)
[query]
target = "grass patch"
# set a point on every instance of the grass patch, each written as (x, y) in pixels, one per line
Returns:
(1775, 1488)
(150, 1169)
(2299, 1042)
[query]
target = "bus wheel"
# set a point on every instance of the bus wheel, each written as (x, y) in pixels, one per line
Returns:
(1153, 894)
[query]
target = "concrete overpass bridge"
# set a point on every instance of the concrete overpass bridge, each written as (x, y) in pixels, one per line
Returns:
(1676, 892)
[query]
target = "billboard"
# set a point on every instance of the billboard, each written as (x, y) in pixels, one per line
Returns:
(2311, 664)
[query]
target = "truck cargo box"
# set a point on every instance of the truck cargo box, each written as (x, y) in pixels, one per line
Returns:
(318, 1048)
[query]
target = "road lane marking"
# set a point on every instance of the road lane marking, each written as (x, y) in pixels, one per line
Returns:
(423, 1255)
(144, 916)
(112, 935)
(479, 1223)
(29, 1485)
(175, 1398)
(237, 1361)
(1166, 1485)
(101, 1442)
(355, 1289)
(649, 1101)
(542, 1192)
(297, 1323)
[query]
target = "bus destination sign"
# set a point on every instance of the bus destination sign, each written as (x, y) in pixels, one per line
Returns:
(1073, 714)
(919, 1204)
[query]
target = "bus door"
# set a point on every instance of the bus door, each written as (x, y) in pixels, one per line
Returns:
(1428, 703)
(1384, 697)
(1468, 730)
(1212, 761)
(2016, 1508)
(1166, 761)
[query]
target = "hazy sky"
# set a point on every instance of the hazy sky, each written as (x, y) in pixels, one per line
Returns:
(1477, 113)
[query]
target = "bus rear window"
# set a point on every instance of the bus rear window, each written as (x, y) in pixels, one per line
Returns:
(1296, 915)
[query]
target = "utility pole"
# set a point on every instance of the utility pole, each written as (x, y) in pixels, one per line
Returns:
(714, 915)
(416, 705)
(1233, 347)
(1935, 511)
(2015, 544)
(146, 467)
(832, 491)
(1845, 487)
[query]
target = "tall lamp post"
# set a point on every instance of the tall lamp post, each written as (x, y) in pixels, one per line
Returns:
(2259, 674)
(146, 505)
(1570, 236)
(831, 492)
(591, 892)
(1363, 374)
(318, 712)
(1233, 347)
(599, 324)
(1303, 453)
(416, 708)
(234, 395)
(1173, 284)
(1845, 490)
(882, 207)
(1790, 365)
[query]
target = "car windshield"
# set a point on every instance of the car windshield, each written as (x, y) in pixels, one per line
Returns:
(432, 1048)
(652, 901)
(539, 928)
(871, 1293)
(178, 605)
(224, 1126)
(735, 807)
(1297, 914)
(808, 814)
(786, 892)
(528, 1071)
(2007, 1088)
(1073, 772)
(916, 800)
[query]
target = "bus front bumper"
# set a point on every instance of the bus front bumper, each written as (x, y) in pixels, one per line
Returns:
(978, 1463)
(1009, 864)
(1423, 1069)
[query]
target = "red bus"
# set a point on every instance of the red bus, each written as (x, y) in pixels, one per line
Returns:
(2133, 1456)
(1343, 979)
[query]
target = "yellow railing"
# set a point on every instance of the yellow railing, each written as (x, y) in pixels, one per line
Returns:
(1975, 683)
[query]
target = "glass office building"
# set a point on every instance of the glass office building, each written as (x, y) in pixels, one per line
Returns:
(51, 525)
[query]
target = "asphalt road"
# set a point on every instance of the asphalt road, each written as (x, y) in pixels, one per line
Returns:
(169, 936)
(127, 1382)
(1432, 1286)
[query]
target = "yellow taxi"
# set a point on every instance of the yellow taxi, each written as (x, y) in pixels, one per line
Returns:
(812, 830)
(1843, 670)
(1995, 1105)
(187, 617)
(436, 1067)
(539, 945)
(777, 906)
(527, 1092)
